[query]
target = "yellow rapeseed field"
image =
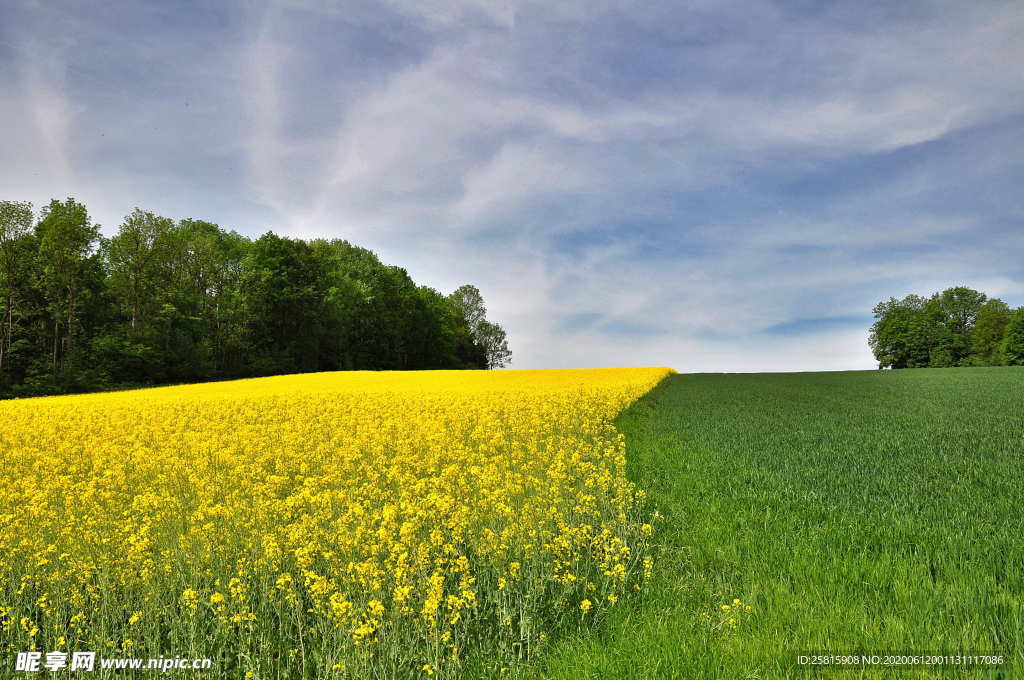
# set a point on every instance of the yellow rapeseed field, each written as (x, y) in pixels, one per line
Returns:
(356, 524)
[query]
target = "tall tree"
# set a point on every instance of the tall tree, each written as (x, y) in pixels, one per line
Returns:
(379, 335)
(1013, 341)
(957, 327)
(162, 302)
(207, 286)
(133, 255)
(67, 243)
(435, 329)
(282, 285)
(490, 337)
(15, 226)
(952, 314)
(987, 334)
(899, 337)
(470, 302)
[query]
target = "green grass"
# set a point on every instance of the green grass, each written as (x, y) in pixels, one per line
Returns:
(854, 511)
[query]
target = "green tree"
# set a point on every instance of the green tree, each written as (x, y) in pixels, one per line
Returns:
(957, 327)
(282, 289)
(205, 283)
(489, 336)
(987, 334)
(952, 315)
(492, 338)
(1013, 341)
(67, 244)
(468, 299)
(15, 227)
(383, 301)
(134, 255)
(163, 302)
(900, 336)
(343, 296)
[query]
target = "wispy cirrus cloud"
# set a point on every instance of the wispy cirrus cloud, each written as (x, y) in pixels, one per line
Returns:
(716, 186)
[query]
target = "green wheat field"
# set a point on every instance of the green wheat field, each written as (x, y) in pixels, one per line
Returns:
(854, 512)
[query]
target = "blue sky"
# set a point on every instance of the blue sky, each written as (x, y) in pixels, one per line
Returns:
(711, 186)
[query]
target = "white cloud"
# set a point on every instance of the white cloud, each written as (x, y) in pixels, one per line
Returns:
(37, 116)
(829, 351)
(515, 172)
(509, 156)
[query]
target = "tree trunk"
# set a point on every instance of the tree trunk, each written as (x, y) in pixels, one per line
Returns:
(5, 338)
(71, 319)
(135, 301)
(56, 337)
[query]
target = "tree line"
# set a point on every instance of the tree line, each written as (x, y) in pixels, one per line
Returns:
(957, 327)
(168, 302)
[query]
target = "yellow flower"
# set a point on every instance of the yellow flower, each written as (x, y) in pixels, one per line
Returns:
(190, 600)
(387, 509)
(29, 626)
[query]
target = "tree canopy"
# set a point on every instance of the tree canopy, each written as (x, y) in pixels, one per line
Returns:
(164, 302)
(957, 327)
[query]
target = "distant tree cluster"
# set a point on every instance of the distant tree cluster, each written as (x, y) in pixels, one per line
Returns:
(957, 327)
(169, 302)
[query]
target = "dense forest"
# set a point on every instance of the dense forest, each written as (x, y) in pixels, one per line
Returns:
(169, 302)
(957, 327)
